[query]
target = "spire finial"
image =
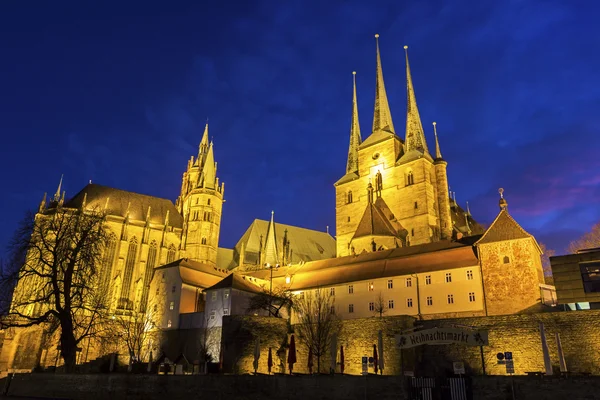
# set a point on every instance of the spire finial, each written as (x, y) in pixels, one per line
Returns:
(58, 190)
(271, 255)
(382, 118)
(502, 203)
(415, 137)
(355, 139)
(438, 152)
(468, 210)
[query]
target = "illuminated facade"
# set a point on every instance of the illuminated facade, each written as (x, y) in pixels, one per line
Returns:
(403, 246)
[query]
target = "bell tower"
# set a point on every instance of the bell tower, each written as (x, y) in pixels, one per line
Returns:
(200, 203)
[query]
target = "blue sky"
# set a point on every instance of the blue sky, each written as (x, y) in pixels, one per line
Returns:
(118, 92)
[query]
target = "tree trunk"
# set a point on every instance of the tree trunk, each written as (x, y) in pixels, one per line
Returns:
(68, 345)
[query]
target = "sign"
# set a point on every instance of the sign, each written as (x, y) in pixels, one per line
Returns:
(436, 336)
(510, 367)
(365, 365)
(409, 373)
(508, 355)
(500, 356)
(459, 367)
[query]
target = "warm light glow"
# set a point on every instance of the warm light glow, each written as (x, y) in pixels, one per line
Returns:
(288, 279)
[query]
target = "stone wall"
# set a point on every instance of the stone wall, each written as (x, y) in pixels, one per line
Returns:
(150, 387)
(579, 333)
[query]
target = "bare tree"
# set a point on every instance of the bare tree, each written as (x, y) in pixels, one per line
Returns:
(380, 307)
(589, 240)
(546, 266)
(317, 321)
(54, 265)
(273, 301)
(137, 331)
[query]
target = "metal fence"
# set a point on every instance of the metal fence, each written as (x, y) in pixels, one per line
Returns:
(421, 388)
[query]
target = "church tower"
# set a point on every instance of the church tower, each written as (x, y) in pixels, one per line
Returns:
(200, 203)
(409, 187)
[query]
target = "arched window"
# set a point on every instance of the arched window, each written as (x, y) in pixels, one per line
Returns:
(107, 263)
(124, 302)
(171, 254)
(410, 179)
(506, 260)
(349, 200)
(150, 264)
(203, 240)
(378, 181)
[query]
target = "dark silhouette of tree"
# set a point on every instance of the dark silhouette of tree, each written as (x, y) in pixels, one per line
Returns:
(546, 266)
(317, 321)
(54, 269)
(588, 240)
(380, 306)
(272, 301)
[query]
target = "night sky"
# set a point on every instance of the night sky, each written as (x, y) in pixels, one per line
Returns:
(119, 92)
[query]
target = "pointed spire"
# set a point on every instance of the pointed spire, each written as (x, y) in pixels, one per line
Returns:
(209, 169)
(502, 203)
(415, 137)
(204, 142)
(58, 190)
(42, 206)
(355, 139)
(270, 252)
(438, 152)
(468, 214)
(382, 118)
(62, 198)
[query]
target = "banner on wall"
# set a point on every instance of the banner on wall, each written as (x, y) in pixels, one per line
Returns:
(439, 336)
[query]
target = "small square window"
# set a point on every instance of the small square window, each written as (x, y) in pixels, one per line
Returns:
(428, 279)
(471, 297)
(429, 301)
(169, 324)
(470, 275)
(350, 289)
(226, 293)
(213, 296)
(213, 314)
(448, 277)
(173, 288)
(450, 299)
(332, 291)
(390, 284)
(371, 306)
(408, 282)
(171, 305)
(390, 304)
(409, 302)
(226, 311)
(416, 205)
(350, 308)
(371, 286)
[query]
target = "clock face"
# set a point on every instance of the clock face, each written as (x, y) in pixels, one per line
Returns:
(375, 156)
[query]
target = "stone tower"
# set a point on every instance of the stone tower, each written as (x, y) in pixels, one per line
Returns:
(403, 174)
(200, 203)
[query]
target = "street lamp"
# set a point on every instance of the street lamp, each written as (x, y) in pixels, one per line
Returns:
(271, 267)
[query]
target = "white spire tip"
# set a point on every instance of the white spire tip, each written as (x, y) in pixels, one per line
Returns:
(434, 123)
(376, 35)
(405, 47)
(353, 72)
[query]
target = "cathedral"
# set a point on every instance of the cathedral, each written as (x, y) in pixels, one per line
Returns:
(401, 239)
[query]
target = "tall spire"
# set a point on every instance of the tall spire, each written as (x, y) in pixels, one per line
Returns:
(415, 137)
(58, 190)
(438, 153)
(209, 169)
(270, 251)
(355, 139)
(203, 146)
(382, 118)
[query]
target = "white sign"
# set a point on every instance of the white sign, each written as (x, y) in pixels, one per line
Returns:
(442, 336)
(459, 367)
(409, 373)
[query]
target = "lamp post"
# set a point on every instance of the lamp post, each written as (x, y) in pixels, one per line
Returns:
(271, 267)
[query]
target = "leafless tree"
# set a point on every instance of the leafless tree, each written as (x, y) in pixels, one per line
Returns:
(380, 307)
(137, 331)
(272, 301)
(55, 271)
(589, 240)
(317, 321)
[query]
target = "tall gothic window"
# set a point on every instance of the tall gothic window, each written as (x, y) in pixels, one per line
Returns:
(125, 302)
(107, 263)
(150, 264)
(349, 200)
(410, 179)
(171, 254)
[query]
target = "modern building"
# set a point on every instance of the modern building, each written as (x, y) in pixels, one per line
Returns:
(577, 279)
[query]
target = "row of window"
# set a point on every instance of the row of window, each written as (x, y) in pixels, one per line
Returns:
(198, 201)
(410, 180)
(409, 302)
(407, 282)
(206, 217)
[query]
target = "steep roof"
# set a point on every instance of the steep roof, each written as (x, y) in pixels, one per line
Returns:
(224, 258)
(375, 222)
(116, 202)
(195, 273)
(503, 228)
(306, 244)
(459, 217)
(236, 281)
(387, 263)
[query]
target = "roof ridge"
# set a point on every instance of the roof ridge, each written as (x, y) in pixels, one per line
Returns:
(123, 190)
